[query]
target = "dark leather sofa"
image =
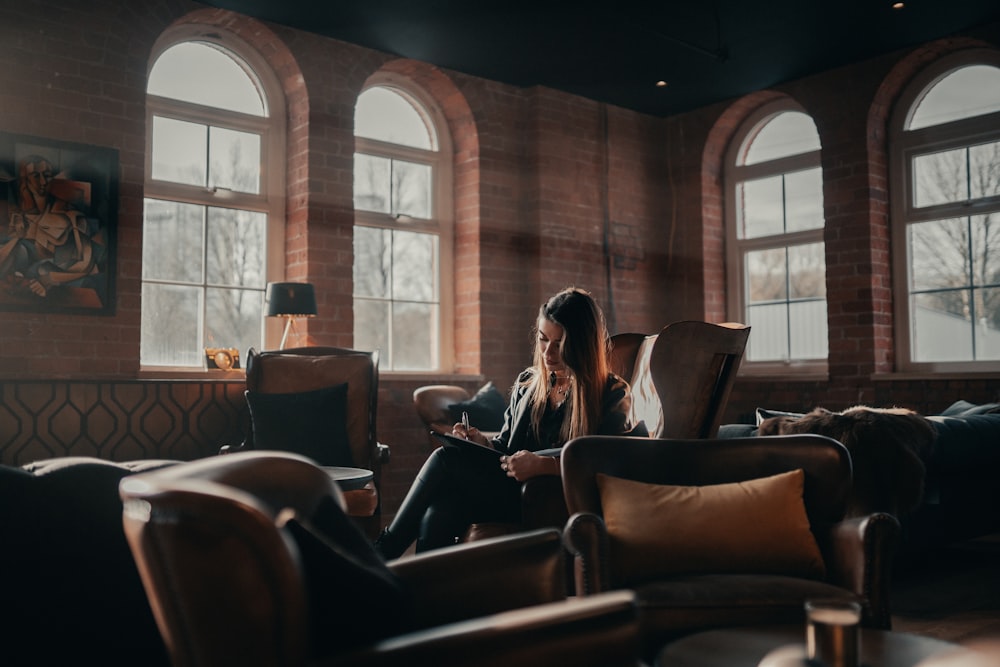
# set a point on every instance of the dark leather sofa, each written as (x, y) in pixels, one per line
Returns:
(960, 495)
(71, 591)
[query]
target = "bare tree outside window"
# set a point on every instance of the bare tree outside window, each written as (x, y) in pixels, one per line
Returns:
(396, 243)
(955, 262)
(206, 216)
(776, 237)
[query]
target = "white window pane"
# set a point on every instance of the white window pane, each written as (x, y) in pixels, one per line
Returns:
(179, 151)
(804, 200)
(236, 247)
(170, 326)
(939, 254)
(788, 133)
(987, 329)
(233, 318)
(985, 255)
(984, 170)
(964, 93)
(411, 189)
(808, 329)
(940, 331)
(940, 178)
(384, 114)
(414, 337)
(956, 309)
(769, 341)
(807, 271)
(372, 261)
(172, 241)
(205, 74)
(759, 208)
(371, 183)
(235, 160)
(414, 257)
(766, 276)
(371, 328)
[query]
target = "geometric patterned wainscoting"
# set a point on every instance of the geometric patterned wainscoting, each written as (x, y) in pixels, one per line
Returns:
(119, 420)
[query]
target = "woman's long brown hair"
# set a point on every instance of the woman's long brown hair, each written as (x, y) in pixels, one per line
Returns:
(585, 351)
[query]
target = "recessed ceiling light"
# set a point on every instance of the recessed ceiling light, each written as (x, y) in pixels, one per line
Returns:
(898, 5)
(661, 84)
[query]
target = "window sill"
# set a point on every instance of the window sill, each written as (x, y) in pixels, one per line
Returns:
(909, 376)
(430, 377)
(193, 374)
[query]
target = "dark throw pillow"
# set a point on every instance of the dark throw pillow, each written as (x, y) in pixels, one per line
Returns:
(485, 408)
(962, 408)
(310, 423)
(344, 572)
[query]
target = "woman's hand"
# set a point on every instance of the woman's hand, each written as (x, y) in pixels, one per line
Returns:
(472, 433)
(524, 465)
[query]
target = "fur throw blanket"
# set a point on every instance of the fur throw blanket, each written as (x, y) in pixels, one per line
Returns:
(889, 448)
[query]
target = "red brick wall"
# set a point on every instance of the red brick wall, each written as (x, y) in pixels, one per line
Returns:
(551, 190)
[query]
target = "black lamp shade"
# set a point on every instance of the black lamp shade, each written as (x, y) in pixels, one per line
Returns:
(291, 299)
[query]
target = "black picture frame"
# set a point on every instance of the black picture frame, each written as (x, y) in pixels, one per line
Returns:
(58, 223)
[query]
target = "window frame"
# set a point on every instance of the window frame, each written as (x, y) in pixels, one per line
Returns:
(737, 248)
(441, 221)
(903, 146)
(271, 128)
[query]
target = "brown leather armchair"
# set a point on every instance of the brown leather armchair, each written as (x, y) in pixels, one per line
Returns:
(856, 553)
(686, 371)
(247, 559)
(304, 371)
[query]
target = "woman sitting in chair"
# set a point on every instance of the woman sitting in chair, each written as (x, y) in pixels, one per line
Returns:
(569, 391)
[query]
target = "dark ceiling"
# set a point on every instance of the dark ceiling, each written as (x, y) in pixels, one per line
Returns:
(615, 51)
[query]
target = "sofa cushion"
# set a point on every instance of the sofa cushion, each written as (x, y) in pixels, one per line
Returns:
(688, 603)
(310, 423)
(962, 408)
(967, 444)
(485, 408)
(756, 526)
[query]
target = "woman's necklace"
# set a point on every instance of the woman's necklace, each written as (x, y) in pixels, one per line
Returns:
(557, 391)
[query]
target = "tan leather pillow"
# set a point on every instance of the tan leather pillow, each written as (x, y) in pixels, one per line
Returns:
(756, 526)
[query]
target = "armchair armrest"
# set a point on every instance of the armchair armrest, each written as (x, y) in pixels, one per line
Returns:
(484, 577)
(601, 631)
(860, 557)
(587, 539)
(432, 401)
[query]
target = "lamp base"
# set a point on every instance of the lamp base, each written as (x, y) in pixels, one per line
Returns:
(288, 325)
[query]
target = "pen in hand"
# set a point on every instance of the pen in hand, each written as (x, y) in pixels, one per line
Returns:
(465, 423)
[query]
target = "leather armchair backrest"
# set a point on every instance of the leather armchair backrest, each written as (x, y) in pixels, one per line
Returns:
(310, 368)
(682, 376)
(693, 366)
(624, 349)
(225, 585)
(826, 463)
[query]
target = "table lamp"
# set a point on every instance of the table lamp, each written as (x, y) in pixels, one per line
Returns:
(290, 300)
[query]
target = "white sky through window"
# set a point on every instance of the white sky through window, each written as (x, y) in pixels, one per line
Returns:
(203, 74)
(964, 93)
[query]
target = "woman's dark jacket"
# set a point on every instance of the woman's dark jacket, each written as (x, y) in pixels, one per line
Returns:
(616, 406)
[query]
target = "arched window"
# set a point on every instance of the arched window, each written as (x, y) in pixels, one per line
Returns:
(211, 214)
(774, 240)
(946, 216)
(402, 233)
